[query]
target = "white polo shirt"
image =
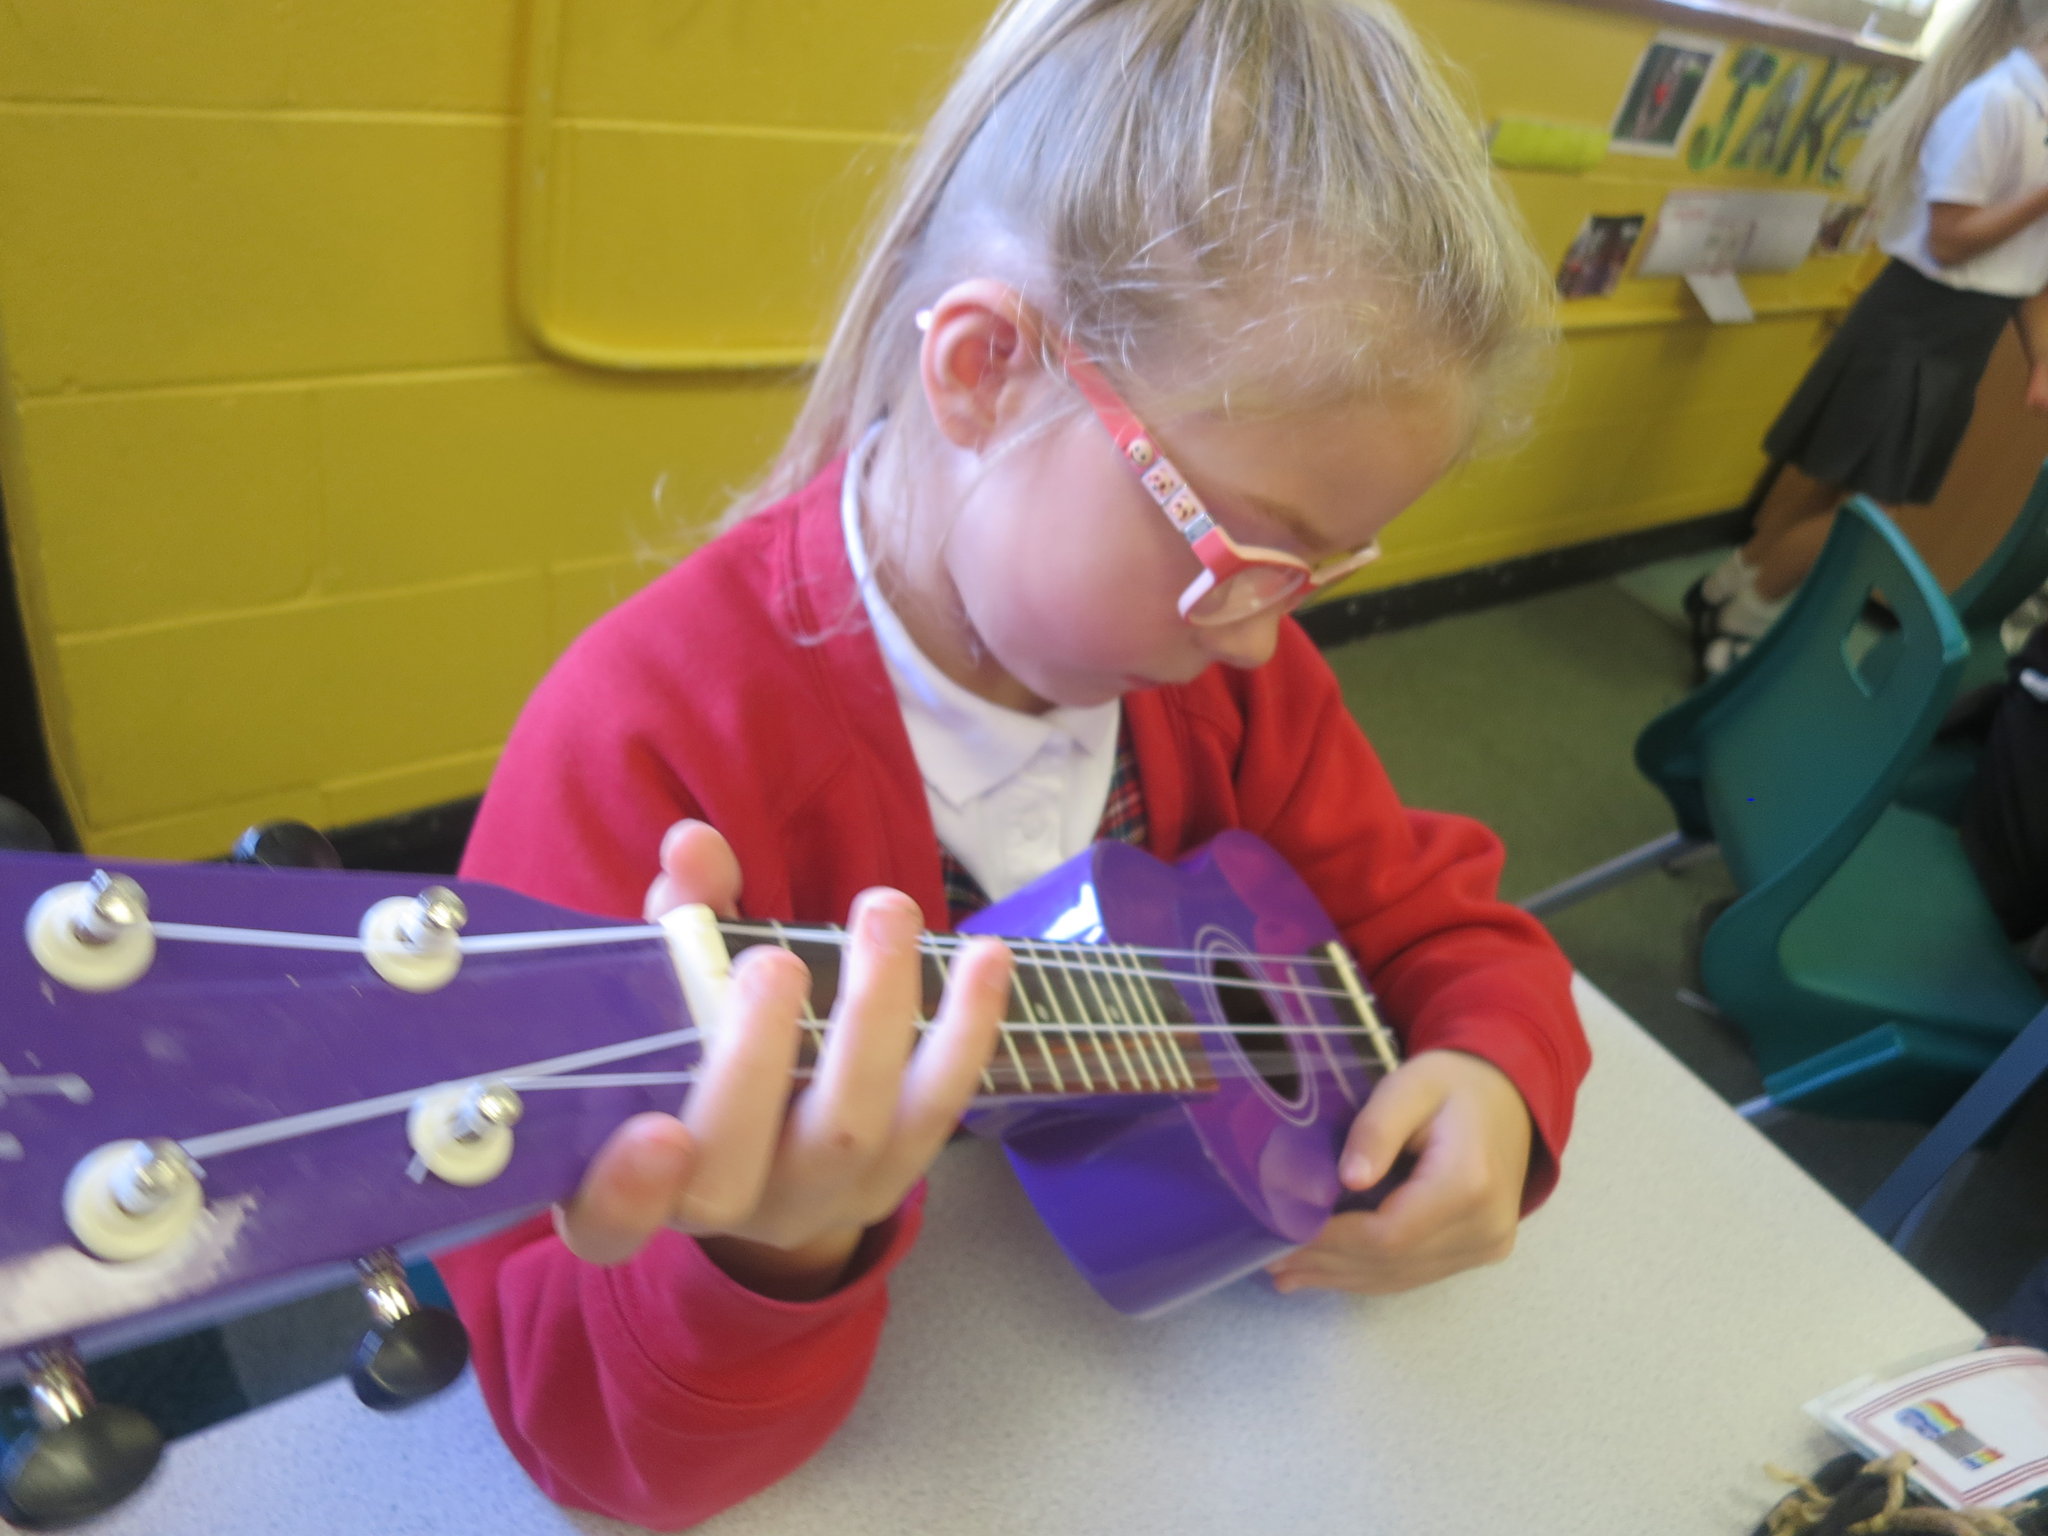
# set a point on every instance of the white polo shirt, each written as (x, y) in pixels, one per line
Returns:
(1012, 795)
(1989, 145)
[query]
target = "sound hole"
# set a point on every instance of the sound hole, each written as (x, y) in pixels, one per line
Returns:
(1269, 1052)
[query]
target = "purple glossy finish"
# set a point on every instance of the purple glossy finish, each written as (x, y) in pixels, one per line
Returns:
(216, 1038)
(1157, 1199)
(1161, 1201)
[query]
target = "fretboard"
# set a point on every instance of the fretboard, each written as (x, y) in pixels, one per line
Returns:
(1083, 1019)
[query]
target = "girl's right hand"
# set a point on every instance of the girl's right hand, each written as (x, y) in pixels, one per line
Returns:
(778, 1190)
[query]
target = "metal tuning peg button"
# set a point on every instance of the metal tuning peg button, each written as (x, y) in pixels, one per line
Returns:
(131, 1199)
(414, 942)
(463, 1132)
(410, 1352)
(82, 1458)
(93, 934)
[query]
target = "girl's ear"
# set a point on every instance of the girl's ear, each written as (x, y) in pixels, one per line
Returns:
(981, 344)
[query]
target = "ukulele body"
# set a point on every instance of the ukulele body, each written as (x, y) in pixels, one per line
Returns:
(1159, 1200)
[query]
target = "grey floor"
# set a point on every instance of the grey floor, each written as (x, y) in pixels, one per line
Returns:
(1523, 715)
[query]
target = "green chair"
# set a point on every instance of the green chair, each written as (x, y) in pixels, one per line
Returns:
(1937, 783)
(1860, 959)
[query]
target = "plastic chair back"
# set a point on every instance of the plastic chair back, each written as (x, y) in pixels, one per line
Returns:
(1799, 755)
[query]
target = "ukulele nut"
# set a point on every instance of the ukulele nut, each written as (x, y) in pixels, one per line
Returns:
(463, 1132)
(131, 1199)
(414, 942)
(703, 965)
(93, 935)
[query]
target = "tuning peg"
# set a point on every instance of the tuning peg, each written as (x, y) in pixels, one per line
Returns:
(415, 942)
(411, 1352)
(130, 1199)
(82, 1458)
(284, 845)
(93, 934)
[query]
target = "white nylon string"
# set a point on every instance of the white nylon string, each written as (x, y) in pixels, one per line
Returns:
(556, 1073)
(1044, 956)
(314, 1121)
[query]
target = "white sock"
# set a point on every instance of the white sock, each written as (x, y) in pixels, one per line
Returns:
(1748, 614)
(1728, 578)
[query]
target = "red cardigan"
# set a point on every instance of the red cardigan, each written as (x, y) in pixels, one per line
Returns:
(744, 688)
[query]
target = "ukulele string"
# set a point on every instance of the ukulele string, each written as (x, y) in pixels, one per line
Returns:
(290, 1127)
(938, 945)
(566, 1072)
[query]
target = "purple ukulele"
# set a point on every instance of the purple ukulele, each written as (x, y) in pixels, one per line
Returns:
(222, 1087)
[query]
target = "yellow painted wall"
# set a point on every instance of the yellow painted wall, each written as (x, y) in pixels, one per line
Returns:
(356, 356)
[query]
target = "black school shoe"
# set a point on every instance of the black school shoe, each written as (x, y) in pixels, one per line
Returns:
(1713, 648)
(1703, 623)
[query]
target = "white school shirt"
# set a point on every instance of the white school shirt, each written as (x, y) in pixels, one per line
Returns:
(1988, 145)
(1011, 795)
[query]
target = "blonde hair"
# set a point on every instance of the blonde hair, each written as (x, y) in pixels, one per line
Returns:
(1177, 185)
(1889, 165)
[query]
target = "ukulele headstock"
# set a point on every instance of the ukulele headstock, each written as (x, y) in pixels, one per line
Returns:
(221, 1087)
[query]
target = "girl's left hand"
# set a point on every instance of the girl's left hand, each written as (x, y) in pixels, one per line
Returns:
(1469, 1131)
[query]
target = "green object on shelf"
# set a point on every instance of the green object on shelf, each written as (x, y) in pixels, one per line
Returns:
(1531, 144)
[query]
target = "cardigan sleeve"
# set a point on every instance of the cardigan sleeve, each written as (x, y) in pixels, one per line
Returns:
(1413, 892)
(657, 1391)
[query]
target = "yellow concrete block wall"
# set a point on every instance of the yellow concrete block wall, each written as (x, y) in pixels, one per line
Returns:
(355, 358)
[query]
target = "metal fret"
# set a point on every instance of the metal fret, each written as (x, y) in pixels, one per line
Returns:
(1094, 967)
(1052, 1066)
(1064, 967)
(1122, 1003)
(1368, 1016)
(1168, 1042)
(1062, 1022)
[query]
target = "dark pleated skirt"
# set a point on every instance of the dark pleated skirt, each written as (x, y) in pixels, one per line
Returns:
(1884, 406)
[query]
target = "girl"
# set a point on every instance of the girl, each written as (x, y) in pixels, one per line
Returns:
(1957, 167)
(1180, 303)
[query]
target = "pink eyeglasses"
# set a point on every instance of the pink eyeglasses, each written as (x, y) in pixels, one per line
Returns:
(1238, 581)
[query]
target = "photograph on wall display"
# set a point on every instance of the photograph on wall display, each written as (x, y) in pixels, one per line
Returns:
(1593, 265)
(1669, 80)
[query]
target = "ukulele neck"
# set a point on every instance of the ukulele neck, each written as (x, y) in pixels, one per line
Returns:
(1082, 1020)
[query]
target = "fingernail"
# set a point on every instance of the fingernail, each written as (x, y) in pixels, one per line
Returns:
(887, 918)
(997, 977)
(1357, 1172)
(656, 1159)
(766, 978)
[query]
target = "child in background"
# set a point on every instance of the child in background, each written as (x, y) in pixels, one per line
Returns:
(971, 623)
(1957, 168)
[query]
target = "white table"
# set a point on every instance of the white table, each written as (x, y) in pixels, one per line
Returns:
(1629, 1371)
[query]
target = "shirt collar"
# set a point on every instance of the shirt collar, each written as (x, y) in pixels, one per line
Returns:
(965, 745)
